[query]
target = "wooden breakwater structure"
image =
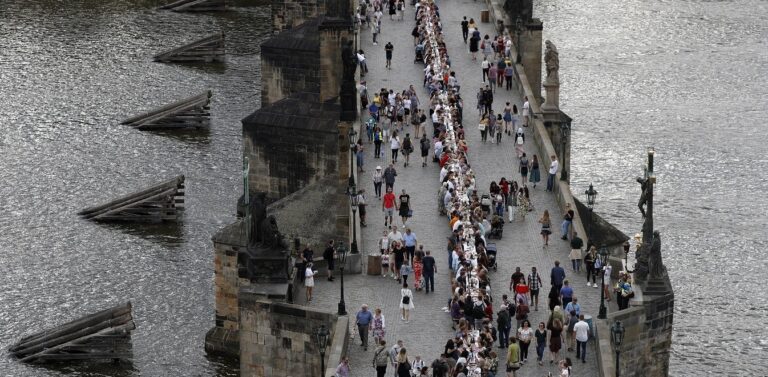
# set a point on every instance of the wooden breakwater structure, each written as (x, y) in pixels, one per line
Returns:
(208, 49)
(196, 6)
(102, 335)
(159, 203)
(192, 112)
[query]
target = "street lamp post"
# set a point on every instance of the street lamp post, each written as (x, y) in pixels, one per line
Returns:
(603, 255)
(321, 341)
(352, 136)
(617, 335)
(518, 47)
(354, 201)
(342, 253)
(591, 198)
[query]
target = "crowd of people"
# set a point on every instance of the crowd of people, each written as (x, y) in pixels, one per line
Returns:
(477, 321)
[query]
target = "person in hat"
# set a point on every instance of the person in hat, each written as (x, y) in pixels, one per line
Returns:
(378, 178)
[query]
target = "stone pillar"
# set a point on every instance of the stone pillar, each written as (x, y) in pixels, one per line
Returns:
(530, 43)
(552, 100)
(223, 339)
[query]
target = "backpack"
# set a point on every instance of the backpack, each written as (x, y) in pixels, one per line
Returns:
(381, 358)
(598, 264)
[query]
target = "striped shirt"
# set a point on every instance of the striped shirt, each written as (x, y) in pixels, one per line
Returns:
(534, 281)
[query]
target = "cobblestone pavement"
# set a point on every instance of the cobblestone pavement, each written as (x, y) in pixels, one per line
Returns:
(430, 325)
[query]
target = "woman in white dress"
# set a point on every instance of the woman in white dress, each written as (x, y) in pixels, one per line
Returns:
(309, 280)
(406, 303)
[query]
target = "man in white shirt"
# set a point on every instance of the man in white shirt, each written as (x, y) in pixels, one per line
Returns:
(443, 172)
(361, 60)
(582, 336)
(553, 167)
(395, 235)
(448, 198)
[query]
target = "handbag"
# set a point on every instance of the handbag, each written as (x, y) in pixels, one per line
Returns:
(406, 300)
(410, 213)
(513, 366)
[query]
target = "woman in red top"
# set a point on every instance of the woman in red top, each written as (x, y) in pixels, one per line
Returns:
(418, 268)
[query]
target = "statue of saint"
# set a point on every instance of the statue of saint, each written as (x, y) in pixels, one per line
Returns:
(271, 237)
(655, 266)
(258, 215)
(349, 61)
(643, 194)
(552, 60)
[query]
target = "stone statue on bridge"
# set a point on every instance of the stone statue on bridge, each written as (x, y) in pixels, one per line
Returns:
(552, 60)
(656, 268)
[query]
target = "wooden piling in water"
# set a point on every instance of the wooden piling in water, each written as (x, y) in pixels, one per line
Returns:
(161, 202)
(192, 112)
(102, 335)
(196, 6)
(208, 49)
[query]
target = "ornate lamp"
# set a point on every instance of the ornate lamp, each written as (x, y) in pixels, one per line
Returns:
(341, 251)
(591, 196)
(354, 202)
(321, 342)
(617, 336)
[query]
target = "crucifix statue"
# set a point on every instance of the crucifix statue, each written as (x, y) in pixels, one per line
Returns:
(649, 255)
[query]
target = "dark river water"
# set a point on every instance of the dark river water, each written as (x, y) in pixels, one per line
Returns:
(689, 78)
(70, 71)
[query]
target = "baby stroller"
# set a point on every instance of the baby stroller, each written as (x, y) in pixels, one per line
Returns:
(490, 251)
(419, 58)
(497, 227)
(485, 204)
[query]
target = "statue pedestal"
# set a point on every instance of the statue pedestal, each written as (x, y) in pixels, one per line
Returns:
(552, 103)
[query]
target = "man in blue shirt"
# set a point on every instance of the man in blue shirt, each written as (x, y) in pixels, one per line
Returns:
(573, 305)
(363, 320)
(557, 276)
(566, 294)
(410, 243)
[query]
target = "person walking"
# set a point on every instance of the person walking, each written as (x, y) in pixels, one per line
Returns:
(376, 31)
(513, 357)
(405, 270)
(507, 116)
(483, 127)
(378, 138)
(393, 353)
(359, 155)
(546, 227)
(388, 48)
(407, 149)
(535, 173)
(566, 225)
(424, 143)
(378, 327)
(524, 336)
(388, 207)
(381, 358)
(541, 342)
(430, 268)
(504, 325)
(581, 329)
(523, 168)
(607, 269)
(406, 303)
(309, 280)
(534, 284)
(418, 271)
(509, 72)
(485, 65)
(557, 276)
(474, 42)
(403, 365)
(465, 29)
(361, 206)
(342, 370)
(522, 204)
(363, 320)
(521, 312)
(566, 293)
(389, 176)
(394, 145)
(488, 99)
(553, 167)
(378, 178)
(589, 265)
(493, 74)
(405, 211)
(399, 252)
(555, 339)
(329, 255)
(575, 254)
